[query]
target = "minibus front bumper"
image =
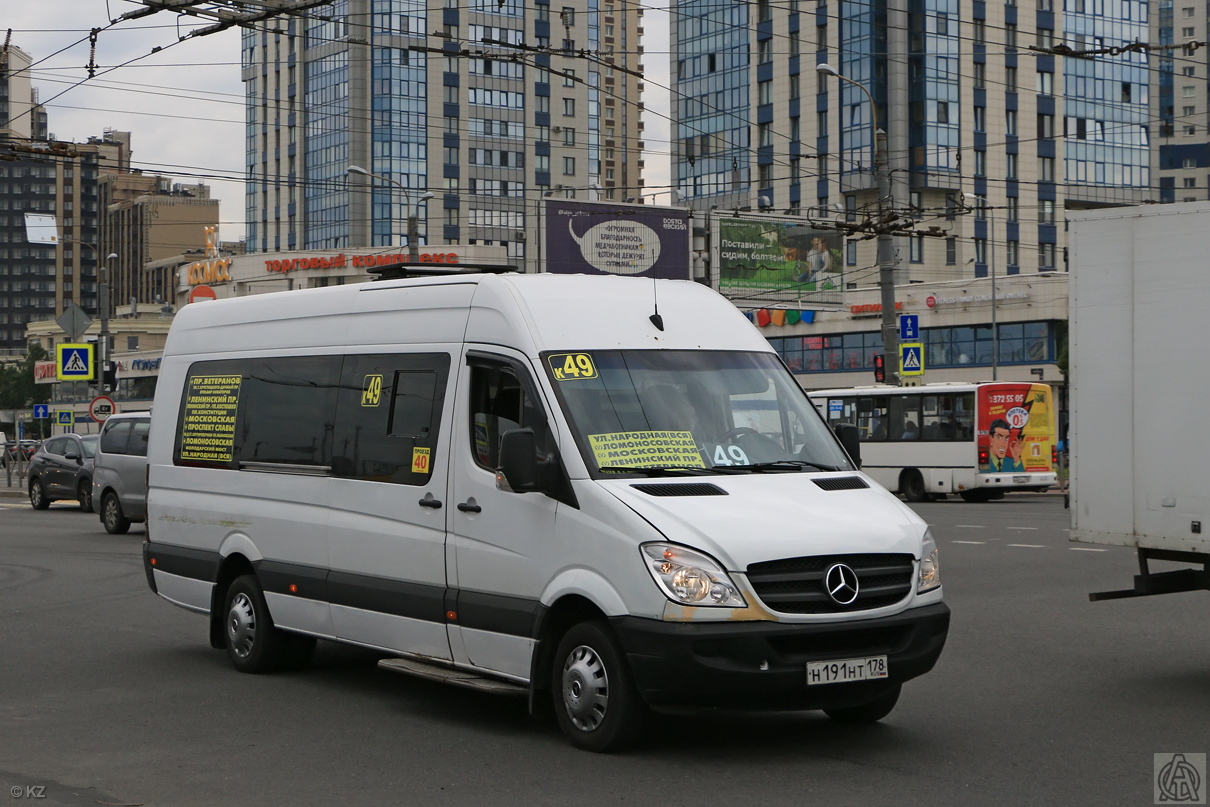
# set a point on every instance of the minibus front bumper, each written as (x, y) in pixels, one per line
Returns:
(763, 665)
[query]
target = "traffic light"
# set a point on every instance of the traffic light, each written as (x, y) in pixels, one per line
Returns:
(879, 368)
(109, 378)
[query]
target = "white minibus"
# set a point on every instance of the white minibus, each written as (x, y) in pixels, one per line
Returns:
(538, 484)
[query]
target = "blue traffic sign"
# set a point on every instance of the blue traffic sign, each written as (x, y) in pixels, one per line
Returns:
(74, 362)
(909, 327)
(911, 359)
(41, 411)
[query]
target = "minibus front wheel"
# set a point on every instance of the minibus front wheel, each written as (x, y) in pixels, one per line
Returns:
(253, 643)
(595, 700)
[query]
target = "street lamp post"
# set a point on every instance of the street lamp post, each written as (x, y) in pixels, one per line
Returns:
(886, 242)
(413, 228)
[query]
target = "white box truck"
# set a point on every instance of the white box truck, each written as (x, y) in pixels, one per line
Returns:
(1140, 385)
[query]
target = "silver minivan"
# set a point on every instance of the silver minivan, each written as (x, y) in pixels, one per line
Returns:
(120, 477)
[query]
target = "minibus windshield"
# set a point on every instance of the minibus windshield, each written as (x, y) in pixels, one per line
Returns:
(669, 412)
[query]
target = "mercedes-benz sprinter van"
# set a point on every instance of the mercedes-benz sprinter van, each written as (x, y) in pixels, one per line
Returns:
(605, 491)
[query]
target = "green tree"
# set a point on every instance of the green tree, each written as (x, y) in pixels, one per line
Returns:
(17, 387)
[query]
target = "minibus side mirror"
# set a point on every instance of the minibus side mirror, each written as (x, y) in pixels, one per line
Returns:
(518, 471)
(850, 437)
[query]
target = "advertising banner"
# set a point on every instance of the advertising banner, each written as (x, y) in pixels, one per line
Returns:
(774, 261)
(1015, 428)
(605, 238)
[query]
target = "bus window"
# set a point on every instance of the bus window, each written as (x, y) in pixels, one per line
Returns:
(872, 418)
(904, 417)
(949, 418)
(842, 410)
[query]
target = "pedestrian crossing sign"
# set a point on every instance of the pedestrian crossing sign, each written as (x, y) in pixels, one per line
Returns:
(75, 362)
(65, 417)
(911, 358)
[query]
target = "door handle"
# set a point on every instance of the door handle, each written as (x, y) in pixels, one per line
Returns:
(429, 501)
(469, 507)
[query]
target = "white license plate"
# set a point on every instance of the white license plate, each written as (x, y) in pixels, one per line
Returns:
(1020, 480)
(844, 670)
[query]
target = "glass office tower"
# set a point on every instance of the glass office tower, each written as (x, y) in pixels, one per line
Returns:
(436, 98)
(989, 137)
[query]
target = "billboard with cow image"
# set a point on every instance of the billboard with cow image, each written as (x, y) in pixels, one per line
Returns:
(769, 260)
(607, 238)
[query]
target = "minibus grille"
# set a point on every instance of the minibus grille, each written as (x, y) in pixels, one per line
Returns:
(796, 585)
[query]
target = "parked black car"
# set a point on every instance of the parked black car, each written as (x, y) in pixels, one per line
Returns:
(27, 449)
(62, 468)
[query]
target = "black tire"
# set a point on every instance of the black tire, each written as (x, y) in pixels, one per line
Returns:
(870, 712)
(112, 517)
(253, 644)
(912, 485)
(37, 495)
(595, 700)
(975, 496)
(84, 495)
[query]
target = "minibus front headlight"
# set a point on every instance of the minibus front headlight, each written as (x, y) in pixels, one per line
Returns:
(690, 578)
(930, 565)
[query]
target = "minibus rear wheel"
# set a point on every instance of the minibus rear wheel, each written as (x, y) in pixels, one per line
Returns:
(595, 700)
(870, 712)
(253, 644)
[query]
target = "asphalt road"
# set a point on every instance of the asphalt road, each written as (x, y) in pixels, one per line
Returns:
(109, 695)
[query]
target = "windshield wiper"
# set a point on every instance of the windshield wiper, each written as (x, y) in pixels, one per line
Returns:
(779, 465)
(656, 470)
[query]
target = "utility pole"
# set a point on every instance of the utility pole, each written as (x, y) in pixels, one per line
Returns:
(886, 238)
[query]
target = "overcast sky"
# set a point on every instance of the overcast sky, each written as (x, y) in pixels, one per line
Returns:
(184, 104)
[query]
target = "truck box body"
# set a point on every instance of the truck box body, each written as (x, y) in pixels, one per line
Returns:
(1139, 371)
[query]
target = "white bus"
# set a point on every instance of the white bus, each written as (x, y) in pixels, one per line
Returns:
(976, 440)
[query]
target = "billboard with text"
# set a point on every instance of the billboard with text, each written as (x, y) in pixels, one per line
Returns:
(778, 261)
(606, 238)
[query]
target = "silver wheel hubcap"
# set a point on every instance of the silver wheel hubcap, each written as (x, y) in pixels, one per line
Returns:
(35, 493)
(241, 625)
(111, 512)
(585, 688)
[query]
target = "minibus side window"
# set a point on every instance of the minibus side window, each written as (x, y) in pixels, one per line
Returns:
(500, 402)
(289, 409)
(389, 417)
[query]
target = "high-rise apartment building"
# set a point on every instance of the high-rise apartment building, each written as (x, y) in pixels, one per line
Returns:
(1182, 155)
(41, 175)
(977, 114)
(487, 105)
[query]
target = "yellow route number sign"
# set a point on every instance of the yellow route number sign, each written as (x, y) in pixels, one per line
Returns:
(572, 366)
(371, 390)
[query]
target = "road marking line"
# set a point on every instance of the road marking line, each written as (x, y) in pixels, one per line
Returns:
(1086, 549)
(1022, 528)
(1029, 546)
(970, 526)
(968, 542)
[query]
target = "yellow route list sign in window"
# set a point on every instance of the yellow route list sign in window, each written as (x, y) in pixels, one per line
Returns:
(208, 429)
(646, 448)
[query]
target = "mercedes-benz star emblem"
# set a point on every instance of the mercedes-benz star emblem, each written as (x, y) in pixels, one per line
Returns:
(841, 583)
